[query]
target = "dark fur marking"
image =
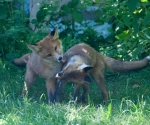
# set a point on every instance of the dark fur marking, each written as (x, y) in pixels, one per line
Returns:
(58, 90)
(76, 94)
(51, 97)
(53, 32)
(87, 68)
(88, 79)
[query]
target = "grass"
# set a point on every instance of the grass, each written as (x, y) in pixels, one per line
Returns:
(129, 101)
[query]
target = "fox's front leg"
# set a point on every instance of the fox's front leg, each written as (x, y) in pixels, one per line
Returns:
(77, 88)
(86, 88)
(51, 87)
(30, 77)
(60, 86)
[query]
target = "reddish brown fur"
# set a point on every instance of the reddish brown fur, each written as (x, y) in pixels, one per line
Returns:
(47, 46)
(44, 62)
(79, 60)
(22, 61)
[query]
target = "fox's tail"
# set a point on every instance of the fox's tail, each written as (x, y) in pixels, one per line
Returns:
(123, 66)
(22, 61)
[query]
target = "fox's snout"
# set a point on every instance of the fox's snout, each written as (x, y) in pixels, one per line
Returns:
(60, 58)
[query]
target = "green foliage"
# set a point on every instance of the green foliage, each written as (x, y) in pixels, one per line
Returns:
(70, 13)
(128, 104)
(13, 29)
(129, 38)
(132, 27)
(130, 35)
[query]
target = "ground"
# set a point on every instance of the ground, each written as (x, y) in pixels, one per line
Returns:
(129, 102)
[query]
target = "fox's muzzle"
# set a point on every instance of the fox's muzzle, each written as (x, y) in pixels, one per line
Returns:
(60, 58)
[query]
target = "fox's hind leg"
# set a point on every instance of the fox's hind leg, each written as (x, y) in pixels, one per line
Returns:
(30, 77)
(100, 81)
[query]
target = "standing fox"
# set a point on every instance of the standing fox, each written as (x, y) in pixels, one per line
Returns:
(43, 61)
(81, 61)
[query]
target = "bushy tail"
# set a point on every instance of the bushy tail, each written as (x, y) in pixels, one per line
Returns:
(22, 61)
(123, 66)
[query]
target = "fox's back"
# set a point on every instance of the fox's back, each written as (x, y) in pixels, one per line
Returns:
(87, 52)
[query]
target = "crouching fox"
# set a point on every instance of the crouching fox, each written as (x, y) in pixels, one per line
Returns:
(44, 61)
(81, 61)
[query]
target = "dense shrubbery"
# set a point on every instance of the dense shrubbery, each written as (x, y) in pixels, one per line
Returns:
(129, 38)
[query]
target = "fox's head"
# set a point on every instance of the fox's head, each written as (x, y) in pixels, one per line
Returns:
(50, 48)
(75, 71)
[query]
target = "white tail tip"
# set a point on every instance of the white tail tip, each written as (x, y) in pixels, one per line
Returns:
(148, 57)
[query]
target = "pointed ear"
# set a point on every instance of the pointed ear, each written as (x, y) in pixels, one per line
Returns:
(85, 67)
(54, 34)
(88, 79)
(34, 47)
(88, 68)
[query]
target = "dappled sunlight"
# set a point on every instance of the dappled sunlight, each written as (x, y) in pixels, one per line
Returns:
(3, 122)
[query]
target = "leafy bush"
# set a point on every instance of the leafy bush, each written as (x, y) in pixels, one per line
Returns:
(132, 29)
(13, 28)
(130, 34)
(129, 37)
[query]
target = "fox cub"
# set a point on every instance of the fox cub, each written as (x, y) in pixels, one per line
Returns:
(44, 61)
(82, 61)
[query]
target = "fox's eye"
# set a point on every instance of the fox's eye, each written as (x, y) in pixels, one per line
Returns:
(55, 48)
(48, 55)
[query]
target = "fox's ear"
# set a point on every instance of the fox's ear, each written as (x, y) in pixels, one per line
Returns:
(88, 79)
(88, 68)
(54, 34)
(85, 67)
(34, 47)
